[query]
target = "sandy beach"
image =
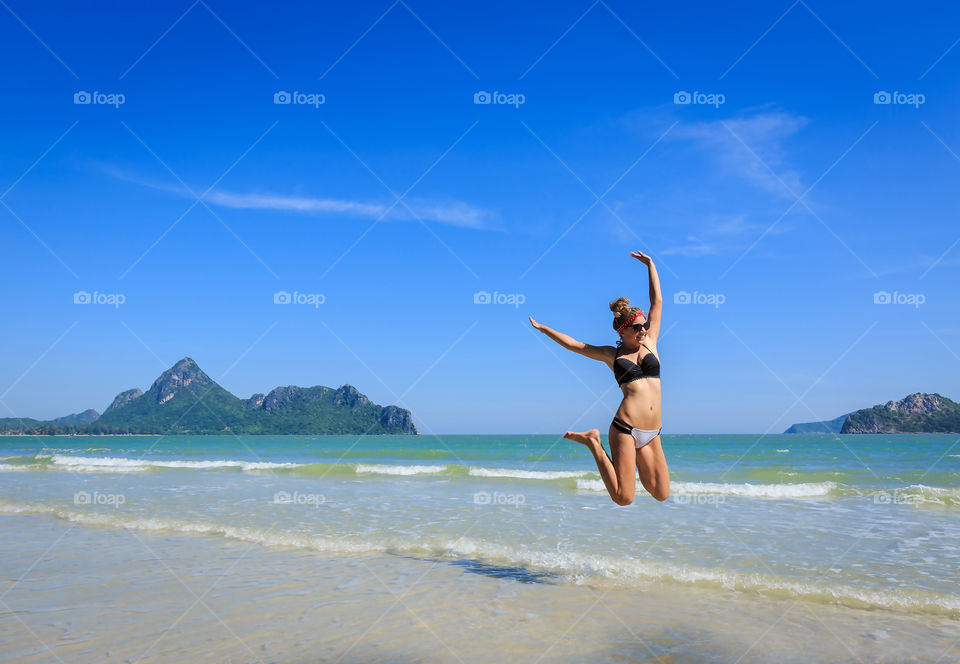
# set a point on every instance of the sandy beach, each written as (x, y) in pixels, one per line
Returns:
(474, 549)
(108, 595)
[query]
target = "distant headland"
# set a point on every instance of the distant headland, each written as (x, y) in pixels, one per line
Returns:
(185, 400)
(915, 413)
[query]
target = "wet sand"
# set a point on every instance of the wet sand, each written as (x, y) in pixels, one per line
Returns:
(92, 594)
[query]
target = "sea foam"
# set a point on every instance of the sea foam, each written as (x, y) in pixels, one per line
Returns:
(575, 567)
(800, 490)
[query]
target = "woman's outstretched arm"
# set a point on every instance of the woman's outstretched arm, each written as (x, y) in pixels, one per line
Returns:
(601, 353)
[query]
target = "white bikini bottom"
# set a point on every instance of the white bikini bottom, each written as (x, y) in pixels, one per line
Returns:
(641, 436)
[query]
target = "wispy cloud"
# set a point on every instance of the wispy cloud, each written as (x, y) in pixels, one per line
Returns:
(292, 203)
(720, 236)
(750, 148)
(454, 213)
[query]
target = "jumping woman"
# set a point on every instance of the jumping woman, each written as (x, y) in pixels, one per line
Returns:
(634, 435)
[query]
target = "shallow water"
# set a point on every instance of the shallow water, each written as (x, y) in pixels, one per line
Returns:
(855, 521)
(97, 594)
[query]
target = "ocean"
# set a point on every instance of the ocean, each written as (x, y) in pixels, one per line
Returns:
(857, 535)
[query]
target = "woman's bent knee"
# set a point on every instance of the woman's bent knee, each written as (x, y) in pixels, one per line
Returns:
(661, 493)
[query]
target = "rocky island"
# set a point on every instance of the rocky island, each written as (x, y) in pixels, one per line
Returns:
(185, 400)
(915, 413)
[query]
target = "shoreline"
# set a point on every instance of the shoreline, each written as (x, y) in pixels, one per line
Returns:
(93, 593)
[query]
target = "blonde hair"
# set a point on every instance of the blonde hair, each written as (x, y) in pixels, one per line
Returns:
(622, 311)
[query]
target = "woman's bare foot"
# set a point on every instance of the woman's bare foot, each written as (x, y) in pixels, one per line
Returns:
(589, 438)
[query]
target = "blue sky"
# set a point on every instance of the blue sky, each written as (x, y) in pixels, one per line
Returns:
(783, 192)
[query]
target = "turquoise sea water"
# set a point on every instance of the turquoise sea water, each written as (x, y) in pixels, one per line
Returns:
(857, 521)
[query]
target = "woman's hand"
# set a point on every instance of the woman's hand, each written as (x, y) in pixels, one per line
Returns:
(642, 257)
(536, 324)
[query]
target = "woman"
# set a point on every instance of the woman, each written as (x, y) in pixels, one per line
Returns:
(634, 435)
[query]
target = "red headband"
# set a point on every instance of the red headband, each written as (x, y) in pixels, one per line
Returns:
(628, 321)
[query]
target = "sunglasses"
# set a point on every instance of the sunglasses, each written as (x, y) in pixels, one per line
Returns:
(636, 327)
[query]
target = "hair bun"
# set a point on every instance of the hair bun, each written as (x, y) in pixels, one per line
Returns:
(620, 306)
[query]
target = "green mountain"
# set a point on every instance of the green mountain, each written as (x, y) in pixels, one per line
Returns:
(827, 426)
(86, 417)
(21, 425)
(185, 400)
(916, 413)
(27, 424)
(182, 400)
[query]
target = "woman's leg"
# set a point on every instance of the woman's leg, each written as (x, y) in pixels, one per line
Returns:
(619, 474)
(654, 475)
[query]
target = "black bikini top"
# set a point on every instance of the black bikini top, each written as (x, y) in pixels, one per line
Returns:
(625, 371)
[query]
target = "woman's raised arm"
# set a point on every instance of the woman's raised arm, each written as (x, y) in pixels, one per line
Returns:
(656, 297)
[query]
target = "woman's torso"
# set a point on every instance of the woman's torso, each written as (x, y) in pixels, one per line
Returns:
(641, 397)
